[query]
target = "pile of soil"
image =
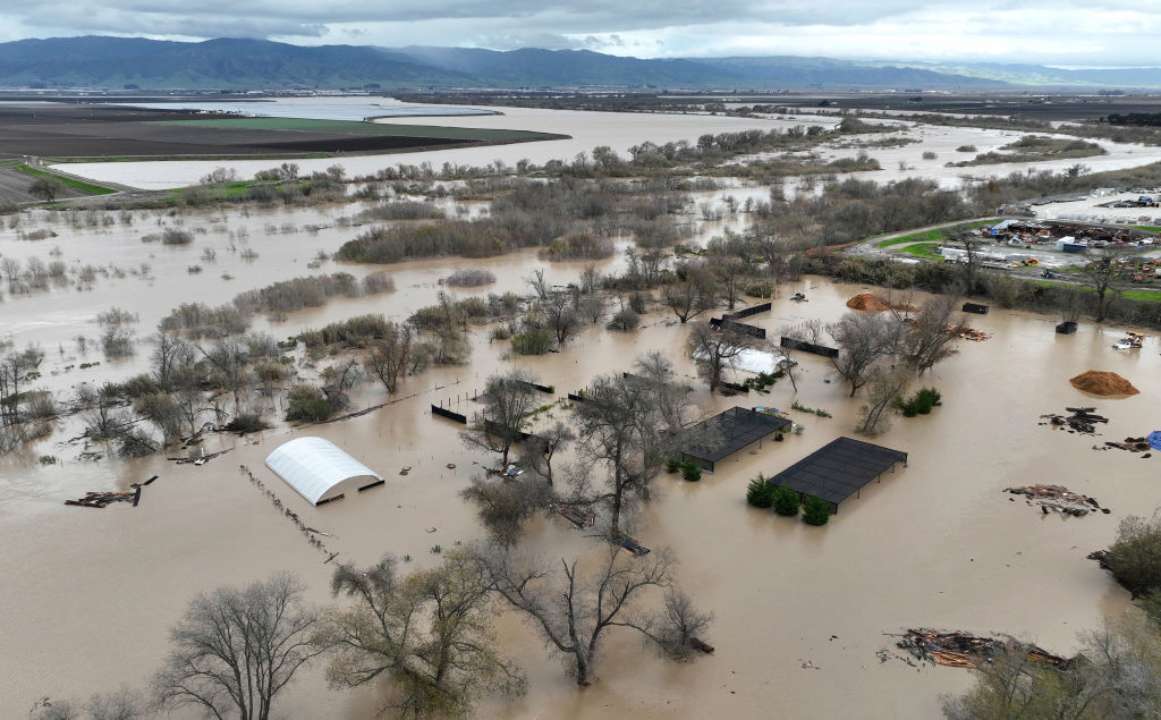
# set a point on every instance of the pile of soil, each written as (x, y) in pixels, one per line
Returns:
(1099, 382)
(868, 301)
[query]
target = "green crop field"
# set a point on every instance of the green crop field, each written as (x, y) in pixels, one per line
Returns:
(81, 186)
(937, 235)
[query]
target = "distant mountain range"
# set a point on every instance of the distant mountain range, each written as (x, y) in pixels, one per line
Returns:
(231, 64)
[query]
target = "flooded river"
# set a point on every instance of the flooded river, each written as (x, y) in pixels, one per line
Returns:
(799, 611)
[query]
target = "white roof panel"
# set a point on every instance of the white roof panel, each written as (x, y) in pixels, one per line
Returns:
(316, 468)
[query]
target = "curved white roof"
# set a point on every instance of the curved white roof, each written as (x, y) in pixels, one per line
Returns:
(316, 468)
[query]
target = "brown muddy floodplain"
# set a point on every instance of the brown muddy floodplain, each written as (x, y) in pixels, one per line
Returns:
(800, 611)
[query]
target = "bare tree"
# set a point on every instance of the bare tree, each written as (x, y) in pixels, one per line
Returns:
(863, 339)
(716, 349)
(236, 649)
(170, 355)
(429, 635)
(1104, 275)
(622, 430)
(230, 361)
(931, 336)
(729, 270)
(886, 386)
(15, 368)
(542, 447)
(692, 296)
(972, 260)
(389, 356)
(506, 503)
(574, 610)
(507, 401)
(560, 312)
(539, 284)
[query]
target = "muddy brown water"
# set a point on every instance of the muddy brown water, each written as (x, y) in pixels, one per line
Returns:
(799, 611)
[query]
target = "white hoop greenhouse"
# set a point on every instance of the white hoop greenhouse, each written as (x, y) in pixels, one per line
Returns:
(319, 470)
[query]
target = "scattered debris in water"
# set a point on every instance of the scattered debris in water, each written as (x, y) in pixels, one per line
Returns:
(963, 332)
(102, 499)
(1059, 499)
(1081, 420)
(964, 650)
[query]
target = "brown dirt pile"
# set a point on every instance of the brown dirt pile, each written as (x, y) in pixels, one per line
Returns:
(868, 301)
(1099, 382)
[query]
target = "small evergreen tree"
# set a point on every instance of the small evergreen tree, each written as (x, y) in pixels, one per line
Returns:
(786, 501)
(691, 472)
(760, 493)
(815, 511)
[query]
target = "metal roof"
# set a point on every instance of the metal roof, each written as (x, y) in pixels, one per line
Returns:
(317, 469)
(839, 469)
(724, 434)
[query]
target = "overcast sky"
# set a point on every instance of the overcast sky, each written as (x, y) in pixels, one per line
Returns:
(1062, 32)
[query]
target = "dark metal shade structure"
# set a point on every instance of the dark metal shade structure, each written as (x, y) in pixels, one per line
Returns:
(839, 469)
(724, 434)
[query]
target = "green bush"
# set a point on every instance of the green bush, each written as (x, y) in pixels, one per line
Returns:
(760, 493)
(920, 403)
(247, 423)
(786, 501)
(691, 472)
(306, 403)
(815, 511)
(532, 342)
(1135, 558)
(672, 465)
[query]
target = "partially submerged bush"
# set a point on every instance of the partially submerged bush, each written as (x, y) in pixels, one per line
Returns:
(378, 282)
(760, 493)
(536, 341)
(815, 511)
(1135, 557)
(247, 423)
(298, 293)
(920, 403)
(470, 277)
(786, 501)
(625, 320)
(580, 246)
(691, 472)
(306, 403)
(173, 236)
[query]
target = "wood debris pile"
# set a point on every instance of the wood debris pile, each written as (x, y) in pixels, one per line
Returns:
(103, 499)
(1057, 498)
(963, 332)
(1131, 444)
(964, 650)
(1081, 420)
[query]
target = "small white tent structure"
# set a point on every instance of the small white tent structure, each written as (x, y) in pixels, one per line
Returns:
(318, 469)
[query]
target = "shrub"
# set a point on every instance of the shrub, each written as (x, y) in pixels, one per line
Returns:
(760, 493)
(378, 282)
(672, 465)
(173, 236)
(470, 277)
(691, 472)
(625, 320)
(966, 149)
(1135, 557)
(929, 155)
(920, 403)
(247, 423)
(815, 511)
(532, 342)
(306, 403)
(786, 501)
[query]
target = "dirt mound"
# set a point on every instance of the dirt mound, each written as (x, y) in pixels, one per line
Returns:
(1099, 382)
(868, 301)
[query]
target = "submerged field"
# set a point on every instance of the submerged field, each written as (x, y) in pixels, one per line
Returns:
(804, 618)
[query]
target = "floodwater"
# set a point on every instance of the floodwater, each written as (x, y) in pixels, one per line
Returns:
(620, 131)
(356, 108)
(799, 612)
(587, 130)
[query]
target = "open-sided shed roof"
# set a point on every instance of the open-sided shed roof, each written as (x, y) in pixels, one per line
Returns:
(722, 435)
(318, 469)
(839, 469)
